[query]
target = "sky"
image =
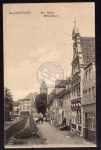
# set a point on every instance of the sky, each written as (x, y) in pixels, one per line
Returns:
(29, 40)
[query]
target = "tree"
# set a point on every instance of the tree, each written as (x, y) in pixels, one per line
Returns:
(41, 103)
(10, 106)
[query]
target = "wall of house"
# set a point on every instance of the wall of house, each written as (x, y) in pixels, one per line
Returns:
(89, 132)
(67, 108)
(89, 79)
(25, 105)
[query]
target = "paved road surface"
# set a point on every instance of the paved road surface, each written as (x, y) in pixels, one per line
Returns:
(55, 137)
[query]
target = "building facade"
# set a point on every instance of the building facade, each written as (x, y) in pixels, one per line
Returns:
(27, 105)
(60, 104)
(76, 83)
(67, 102)
(83, 55)
(76, 99)
(89, 103)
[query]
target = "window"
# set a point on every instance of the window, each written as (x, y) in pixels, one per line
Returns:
(78, 117)
(23, 107)
(79, 88)
(86, 119)
(83, 119)
(74, 90)
(86, 94)
(90, 73)
(24, 102)
(92, 120)
(86, 75)
(90, 92)
(93, 91)
(28, 107)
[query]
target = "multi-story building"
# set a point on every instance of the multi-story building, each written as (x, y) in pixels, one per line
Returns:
(77, 103)
(83, 54)
(76, 82)
(58, 109)
(89, 103)
(27, 105)
(60, 90)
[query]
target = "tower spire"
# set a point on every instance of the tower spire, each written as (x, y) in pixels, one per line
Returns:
(75, 22)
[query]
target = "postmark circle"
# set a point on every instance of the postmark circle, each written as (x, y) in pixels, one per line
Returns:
(51, 73)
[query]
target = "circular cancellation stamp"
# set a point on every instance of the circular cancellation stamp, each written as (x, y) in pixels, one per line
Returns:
(51, 73)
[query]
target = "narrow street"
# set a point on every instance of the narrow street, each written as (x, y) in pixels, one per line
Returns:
(50, 136)
(56, 138)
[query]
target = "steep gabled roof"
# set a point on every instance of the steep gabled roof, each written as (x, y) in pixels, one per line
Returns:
(29, 96)
(63, 92)
(88, 49)
(62, 84)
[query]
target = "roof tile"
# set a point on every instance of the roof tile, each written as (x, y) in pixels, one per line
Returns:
(88, 49)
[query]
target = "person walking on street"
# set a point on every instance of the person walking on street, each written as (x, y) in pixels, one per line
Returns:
(64, 121)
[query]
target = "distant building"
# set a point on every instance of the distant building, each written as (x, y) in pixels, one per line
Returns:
(32, 97)
(56, 103)
(27, 105)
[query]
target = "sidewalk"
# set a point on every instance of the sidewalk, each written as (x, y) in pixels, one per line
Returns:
(55, 137)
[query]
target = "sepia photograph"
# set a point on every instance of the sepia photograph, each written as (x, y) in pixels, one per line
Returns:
(49, 75)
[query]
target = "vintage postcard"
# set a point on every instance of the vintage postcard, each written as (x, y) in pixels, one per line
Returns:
(49, 75)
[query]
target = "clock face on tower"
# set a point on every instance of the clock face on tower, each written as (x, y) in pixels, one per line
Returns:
(43, 90)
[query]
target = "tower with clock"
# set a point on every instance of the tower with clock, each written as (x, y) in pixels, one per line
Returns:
(43, 87)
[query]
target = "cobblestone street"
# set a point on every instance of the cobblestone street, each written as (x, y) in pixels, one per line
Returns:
(55, 137)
